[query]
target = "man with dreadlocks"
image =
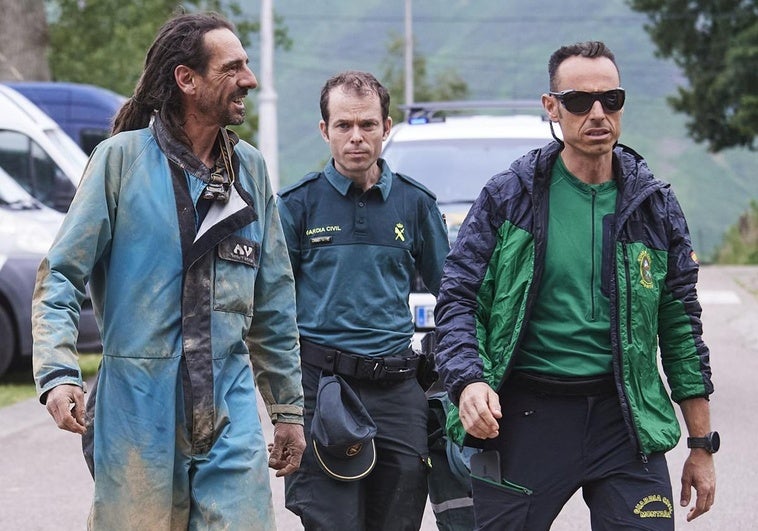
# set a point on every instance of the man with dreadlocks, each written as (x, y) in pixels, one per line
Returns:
(175, 227)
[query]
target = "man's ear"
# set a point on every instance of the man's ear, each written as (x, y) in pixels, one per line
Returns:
(185, 79)
(387, 127)
(324, 131)
(550, 104)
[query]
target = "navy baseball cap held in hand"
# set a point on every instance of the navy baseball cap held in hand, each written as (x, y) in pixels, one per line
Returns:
(342, 431)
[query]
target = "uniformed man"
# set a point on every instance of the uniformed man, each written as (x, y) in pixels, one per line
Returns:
(357, 235)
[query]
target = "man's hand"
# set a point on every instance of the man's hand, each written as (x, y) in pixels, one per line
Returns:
(700, 473)
(65, 403)
(287, 450)
(479, 409)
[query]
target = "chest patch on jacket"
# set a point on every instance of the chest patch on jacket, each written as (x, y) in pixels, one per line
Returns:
(646, 277)
(240, 250)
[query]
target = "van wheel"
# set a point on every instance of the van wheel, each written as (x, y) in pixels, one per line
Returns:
(7, 343)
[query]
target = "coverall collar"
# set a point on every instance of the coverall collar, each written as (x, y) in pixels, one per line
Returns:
(179, 153)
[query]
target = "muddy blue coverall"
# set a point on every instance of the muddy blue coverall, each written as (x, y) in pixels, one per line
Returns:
(183, 307)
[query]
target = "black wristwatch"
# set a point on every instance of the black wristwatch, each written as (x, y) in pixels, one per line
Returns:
(710, 442)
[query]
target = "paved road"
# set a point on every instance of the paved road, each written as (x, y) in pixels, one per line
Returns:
(44, 484)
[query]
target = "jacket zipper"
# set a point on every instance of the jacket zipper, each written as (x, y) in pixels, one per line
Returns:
(628, 295)
(643, 455)
(593, 193)
(509, 485)
(540, 213)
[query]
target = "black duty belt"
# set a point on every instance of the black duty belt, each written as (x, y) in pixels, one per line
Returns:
(563, 386)
(376, 368)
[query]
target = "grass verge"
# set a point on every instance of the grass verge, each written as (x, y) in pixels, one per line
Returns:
(18, 384)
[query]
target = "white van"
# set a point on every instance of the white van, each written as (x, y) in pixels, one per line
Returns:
(36, 152)
(40, 167)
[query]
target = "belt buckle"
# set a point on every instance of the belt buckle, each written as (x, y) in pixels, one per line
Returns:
(409, 365)
(369, 368)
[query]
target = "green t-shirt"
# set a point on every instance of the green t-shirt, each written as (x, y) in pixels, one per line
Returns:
(568, 334)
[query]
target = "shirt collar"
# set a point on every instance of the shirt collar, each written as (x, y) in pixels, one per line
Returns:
(342, 184)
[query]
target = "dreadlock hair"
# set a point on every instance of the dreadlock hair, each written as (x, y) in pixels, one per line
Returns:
(179, 42)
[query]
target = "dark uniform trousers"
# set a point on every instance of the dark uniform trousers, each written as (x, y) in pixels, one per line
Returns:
(550, 446)
(393, 495)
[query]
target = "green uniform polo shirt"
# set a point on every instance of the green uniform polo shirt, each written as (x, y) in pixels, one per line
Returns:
(355, 255)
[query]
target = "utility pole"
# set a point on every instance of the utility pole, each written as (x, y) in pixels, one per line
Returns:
(267, 122)
(408, 53)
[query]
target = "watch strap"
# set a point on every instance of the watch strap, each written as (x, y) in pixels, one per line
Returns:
(710, 442)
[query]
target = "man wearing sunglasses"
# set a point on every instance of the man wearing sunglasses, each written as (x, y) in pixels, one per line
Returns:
(573, 267)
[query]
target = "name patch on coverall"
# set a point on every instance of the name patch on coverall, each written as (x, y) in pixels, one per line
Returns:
(240, 250)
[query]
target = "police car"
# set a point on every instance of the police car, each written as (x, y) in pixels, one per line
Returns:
(453, 151)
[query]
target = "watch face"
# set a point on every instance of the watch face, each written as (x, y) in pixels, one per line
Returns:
(715, 440)
(711, 442)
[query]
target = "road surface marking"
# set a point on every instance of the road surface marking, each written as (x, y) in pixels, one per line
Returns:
(718, 297)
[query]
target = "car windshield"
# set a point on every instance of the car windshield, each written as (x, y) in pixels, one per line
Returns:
(456, 170)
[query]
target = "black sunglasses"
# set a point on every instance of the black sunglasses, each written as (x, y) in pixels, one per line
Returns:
(578, 102)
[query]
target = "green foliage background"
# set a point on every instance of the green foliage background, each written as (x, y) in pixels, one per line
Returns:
(482, 49)
(715, 42)
(104, 42)
(448, 85)
(740, 244)
(499, 49)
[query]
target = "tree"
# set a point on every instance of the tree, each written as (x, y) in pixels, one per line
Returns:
(104, 42)
(740, 244)
(715, 42)
(23, 41)
(448, 85)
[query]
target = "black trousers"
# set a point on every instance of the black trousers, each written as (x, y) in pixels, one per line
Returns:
(393, 495)
(551, 446)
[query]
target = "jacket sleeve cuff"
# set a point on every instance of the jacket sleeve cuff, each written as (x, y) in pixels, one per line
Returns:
(59, 377)
(285, 413)
(455, 394)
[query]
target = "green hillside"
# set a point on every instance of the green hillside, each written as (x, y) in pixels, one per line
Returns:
(501, 48)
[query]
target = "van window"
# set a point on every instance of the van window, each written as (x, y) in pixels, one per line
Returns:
(37, 173)
(90, 138)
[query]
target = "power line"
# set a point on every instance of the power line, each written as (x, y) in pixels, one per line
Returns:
(516, 19)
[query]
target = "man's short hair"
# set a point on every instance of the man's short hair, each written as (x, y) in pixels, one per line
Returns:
(356, 82)
(589, 49)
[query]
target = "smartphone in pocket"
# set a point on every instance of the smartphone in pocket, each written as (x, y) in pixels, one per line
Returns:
(486, 465)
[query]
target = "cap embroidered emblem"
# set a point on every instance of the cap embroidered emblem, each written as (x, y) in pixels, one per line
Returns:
(353, 450)
(400, 232)
(646, 276)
